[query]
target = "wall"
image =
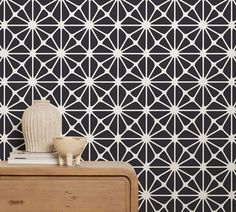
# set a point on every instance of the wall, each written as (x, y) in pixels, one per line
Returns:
(148, 82)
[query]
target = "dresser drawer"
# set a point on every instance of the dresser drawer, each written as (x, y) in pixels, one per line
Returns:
(92, 187)
(83, 194)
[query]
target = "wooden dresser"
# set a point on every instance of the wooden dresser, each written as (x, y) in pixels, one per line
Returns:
(92, 187)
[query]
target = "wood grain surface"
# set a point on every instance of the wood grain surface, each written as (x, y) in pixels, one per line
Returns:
(93, 187)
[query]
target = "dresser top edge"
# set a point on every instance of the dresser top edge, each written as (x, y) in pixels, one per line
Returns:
(98, 168)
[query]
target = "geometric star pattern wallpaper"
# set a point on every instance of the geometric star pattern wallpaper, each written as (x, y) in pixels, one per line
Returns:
(149, 82)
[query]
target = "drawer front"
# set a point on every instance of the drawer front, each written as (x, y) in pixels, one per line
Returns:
(62, 194)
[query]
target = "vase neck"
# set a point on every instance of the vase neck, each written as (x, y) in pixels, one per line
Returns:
(40, 102)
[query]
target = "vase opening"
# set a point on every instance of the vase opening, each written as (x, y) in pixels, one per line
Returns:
(40, 101)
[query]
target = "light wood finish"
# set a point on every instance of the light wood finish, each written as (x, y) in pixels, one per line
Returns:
(92, 187)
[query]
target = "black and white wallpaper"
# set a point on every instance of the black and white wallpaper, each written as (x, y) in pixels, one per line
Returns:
(149, 82)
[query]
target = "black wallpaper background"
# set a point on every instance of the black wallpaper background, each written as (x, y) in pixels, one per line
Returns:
(150, 82)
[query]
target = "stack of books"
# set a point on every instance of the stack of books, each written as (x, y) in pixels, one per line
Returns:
(23, 157)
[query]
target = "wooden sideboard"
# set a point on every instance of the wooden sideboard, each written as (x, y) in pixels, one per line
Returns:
(92, 187)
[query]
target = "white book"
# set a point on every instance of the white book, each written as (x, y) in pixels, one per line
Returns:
(32, 155)
(33, 161)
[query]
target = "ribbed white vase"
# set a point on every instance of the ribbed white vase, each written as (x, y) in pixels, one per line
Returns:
(40, 123)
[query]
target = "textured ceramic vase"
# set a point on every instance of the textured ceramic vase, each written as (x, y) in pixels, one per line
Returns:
(40, 123)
